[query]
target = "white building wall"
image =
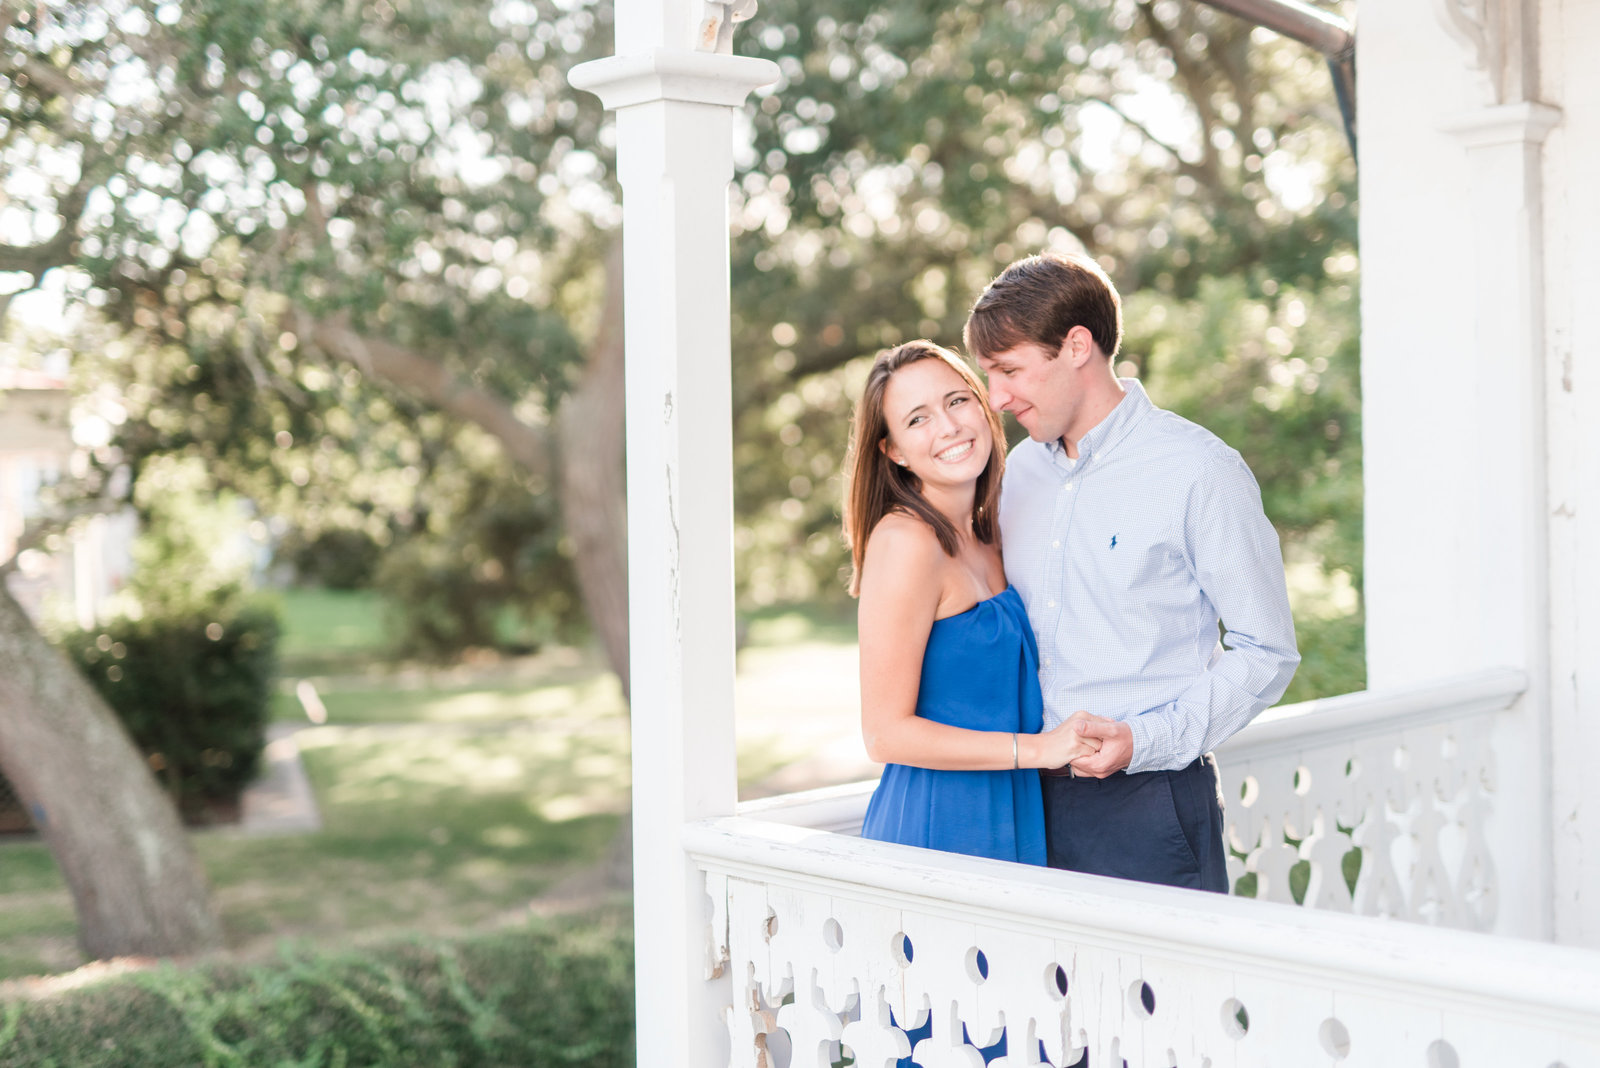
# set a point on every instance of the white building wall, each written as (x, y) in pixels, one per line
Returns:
(1571, 76)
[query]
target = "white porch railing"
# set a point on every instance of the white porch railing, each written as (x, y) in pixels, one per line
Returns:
(1375, 803)
(1397, 786)
(823, 935)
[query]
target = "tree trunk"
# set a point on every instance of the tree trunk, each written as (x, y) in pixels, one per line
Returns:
(590, 471)
(135, 881)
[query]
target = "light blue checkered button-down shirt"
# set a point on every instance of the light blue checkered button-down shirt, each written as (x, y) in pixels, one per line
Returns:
(1126, 558)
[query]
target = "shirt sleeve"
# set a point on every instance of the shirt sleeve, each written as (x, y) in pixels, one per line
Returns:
(1234, 555)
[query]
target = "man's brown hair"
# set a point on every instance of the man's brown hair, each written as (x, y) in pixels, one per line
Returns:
(1038, 300)
(875, 485)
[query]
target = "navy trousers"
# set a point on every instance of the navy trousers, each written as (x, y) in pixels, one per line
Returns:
(1154, 826)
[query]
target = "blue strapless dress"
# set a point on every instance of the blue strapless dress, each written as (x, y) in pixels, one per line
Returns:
(980, 671)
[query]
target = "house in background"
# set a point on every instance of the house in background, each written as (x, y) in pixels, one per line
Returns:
(36, 448)
(1424, 894)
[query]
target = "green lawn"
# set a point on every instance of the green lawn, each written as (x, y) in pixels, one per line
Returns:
(450, 797)
(422, 832)
(331, 629)
(558, 684)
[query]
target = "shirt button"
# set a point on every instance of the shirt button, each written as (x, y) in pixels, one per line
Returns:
(1047, 661)
(1056, 544)
(1049, 604)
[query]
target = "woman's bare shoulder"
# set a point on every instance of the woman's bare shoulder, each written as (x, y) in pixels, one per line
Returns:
(902, 572)
(903, 534)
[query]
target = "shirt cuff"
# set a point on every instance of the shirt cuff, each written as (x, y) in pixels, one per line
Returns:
(1141, 744)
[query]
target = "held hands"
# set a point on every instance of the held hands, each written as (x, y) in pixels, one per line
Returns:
(1063, 744)
(1113, 744)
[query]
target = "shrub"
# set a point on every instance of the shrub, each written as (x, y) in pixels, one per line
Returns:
(338, 559)
(488, 574)
(193, 687)
(545, 995)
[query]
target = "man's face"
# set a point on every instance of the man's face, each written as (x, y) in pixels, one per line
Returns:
(1036, 386)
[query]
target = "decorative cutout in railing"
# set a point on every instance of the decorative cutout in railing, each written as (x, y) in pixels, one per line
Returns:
(1371, 803)
(830, 942)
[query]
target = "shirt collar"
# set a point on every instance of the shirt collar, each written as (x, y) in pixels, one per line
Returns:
(1106, 434)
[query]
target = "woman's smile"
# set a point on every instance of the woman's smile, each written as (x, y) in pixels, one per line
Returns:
(955, 453)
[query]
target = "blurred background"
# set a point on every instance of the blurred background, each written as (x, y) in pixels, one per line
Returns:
(310, 400)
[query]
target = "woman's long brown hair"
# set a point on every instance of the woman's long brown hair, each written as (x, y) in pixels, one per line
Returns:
(876, 485)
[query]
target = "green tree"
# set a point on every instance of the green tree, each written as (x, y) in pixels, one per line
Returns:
(334, 243)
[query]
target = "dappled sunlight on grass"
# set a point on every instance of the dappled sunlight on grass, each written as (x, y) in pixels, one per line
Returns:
(363, 770)
(787, 625)
(596, 697)
(423, 831)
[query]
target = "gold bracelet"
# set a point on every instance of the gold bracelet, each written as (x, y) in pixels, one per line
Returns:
(1016, 765)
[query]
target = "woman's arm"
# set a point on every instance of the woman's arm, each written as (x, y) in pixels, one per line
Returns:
(901, 587)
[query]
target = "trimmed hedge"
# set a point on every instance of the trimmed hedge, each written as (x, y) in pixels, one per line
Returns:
(194, 689)
(532, 997)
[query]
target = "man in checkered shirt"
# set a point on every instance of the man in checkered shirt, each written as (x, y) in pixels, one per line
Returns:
(1130, 533)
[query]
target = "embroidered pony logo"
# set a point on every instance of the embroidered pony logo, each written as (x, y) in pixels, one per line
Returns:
(1113, 541)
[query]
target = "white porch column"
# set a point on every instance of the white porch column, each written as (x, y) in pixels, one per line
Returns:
(1569, 30)
(1512, 572)
(675, 159)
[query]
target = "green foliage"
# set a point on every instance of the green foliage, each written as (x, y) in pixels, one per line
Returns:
(339, 558)
(193, 552)
(193, 686)
(190, 661)
(236, 176)
(522, 998)
(486, 571)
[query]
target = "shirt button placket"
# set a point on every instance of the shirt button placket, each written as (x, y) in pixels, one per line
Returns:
(1066, 499)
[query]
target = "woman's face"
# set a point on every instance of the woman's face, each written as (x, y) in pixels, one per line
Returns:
(938, 429)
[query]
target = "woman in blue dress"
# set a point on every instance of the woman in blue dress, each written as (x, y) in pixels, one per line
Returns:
(950, 698)
(949, 668)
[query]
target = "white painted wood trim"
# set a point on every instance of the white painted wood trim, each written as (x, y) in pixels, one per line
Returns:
(673, 74)
(1369, 712)
(1528, 123)
(838, 809)
(1454, 970)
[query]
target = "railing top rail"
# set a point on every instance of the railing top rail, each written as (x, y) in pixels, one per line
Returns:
(1501, 974)
(1352, 715)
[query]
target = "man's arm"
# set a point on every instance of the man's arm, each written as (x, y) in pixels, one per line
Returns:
(1233, 553)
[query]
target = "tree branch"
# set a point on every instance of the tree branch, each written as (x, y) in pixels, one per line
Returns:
(48, 78)
(1184, 166)
(1194, 83)
(426, 378)
(37, 259)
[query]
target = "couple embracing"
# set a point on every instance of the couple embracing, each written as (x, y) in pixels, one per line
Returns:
(1058, 705)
